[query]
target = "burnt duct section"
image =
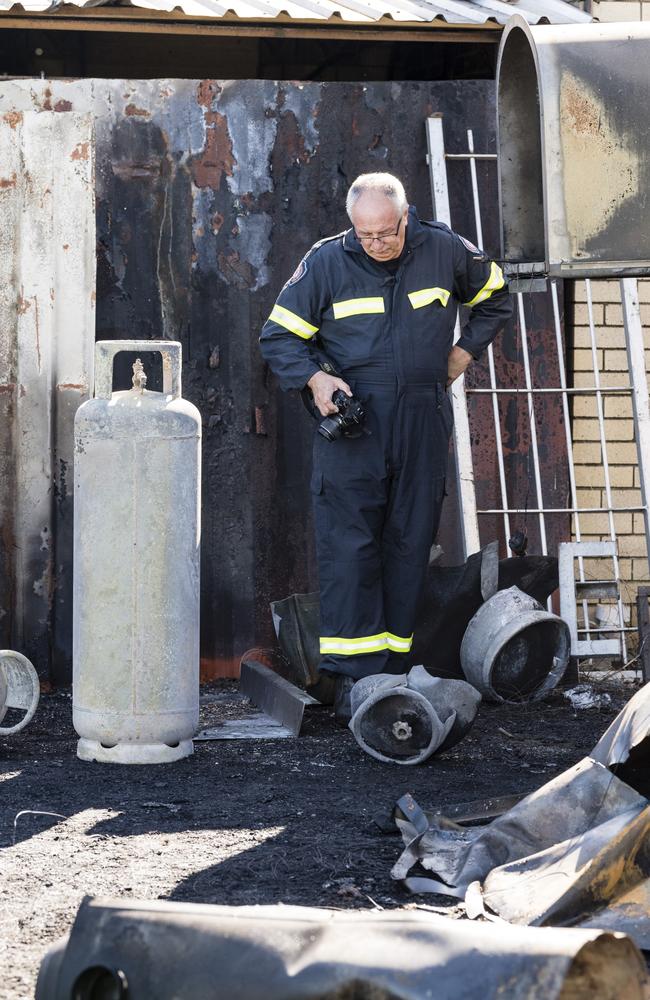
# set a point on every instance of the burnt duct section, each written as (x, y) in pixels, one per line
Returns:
(574, 148)
(520, 148)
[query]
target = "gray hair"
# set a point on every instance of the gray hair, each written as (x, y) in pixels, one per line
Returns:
(386, 184)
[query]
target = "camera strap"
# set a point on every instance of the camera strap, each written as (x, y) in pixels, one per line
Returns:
(326, 366)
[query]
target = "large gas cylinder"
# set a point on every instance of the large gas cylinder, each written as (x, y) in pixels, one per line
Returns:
(136, 565)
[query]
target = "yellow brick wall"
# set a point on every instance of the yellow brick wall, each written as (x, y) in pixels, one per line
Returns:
(622, 10)
(619, 429)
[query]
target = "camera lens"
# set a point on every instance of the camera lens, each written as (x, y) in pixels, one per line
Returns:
(330, 428)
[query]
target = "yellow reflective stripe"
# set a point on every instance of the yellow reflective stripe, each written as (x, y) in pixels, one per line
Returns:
(352, 647)
(292, 323)
(357, 307)
(493, 284)
(398, 644)
(365, 644)
(425, 296)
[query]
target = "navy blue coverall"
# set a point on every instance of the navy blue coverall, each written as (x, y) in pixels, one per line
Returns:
(378, 497)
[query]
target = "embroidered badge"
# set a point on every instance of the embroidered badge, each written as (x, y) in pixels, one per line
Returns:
(470, 246)
(299, 273)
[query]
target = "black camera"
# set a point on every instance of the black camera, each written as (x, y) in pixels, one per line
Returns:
(347, 421)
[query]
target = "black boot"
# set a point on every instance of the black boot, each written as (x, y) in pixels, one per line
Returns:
(342, 707)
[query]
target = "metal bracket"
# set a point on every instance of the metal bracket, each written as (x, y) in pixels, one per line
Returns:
(277, 697)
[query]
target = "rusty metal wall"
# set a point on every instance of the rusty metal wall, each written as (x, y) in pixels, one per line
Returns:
(208, 193)
(47, 304)
(516, 433)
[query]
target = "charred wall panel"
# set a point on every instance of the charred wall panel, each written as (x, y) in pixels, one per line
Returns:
(47, 302)
(208, 194)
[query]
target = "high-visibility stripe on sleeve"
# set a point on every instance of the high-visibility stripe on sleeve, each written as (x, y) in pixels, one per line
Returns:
(493, 284)
(292, 323)
(352, 647)
(358, 307)
(425, 296)
(365, 644)
(398, 644)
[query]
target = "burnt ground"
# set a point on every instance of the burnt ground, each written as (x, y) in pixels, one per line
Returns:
(241, 822)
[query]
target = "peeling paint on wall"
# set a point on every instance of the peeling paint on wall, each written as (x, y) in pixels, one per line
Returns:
(252, 126)
(300, 101)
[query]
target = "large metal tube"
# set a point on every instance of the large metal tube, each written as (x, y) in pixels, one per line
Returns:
(180, 951)
(573, 135)
(514, 650)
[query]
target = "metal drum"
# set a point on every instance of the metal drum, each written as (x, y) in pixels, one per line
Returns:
(19, 691)
(514, 650)
(136, 565)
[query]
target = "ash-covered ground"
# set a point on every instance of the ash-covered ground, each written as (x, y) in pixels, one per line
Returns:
(240, 822)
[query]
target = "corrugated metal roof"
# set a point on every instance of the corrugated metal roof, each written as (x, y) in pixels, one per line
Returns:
(474, 12)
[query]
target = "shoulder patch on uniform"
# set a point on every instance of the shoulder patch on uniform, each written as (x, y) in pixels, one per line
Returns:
(299, 273)
(476, 252)
(469, 245)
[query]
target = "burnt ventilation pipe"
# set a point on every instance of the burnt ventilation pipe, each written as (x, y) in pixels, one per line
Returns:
(573, 138)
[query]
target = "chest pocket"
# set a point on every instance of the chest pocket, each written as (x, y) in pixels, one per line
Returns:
(358, 307)
(426, 296)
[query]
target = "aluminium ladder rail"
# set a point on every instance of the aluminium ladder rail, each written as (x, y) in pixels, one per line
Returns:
(638, 389)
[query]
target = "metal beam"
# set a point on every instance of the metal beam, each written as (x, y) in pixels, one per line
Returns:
(277, 697)
(464, 464)
(639, 380)
(150, 25)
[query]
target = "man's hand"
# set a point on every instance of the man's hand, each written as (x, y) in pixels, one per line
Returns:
(323, 387)
(458, 360)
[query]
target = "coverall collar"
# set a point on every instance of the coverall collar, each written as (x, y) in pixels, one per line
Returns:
(414, 235)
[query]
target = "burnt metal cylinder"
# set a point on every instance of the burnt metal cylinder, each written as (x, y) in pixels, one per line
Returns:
(19, 691)
(404, 719)
(398, 726)
(573, 139)
(514, 650)
(183, 951)
(136, 565)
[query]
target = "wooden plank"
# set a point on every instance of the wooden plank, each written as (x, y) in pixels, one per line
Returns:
(438, 32)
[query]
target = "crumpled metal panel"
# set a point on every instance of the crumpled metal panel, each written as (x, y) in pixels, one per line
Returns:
(181, 950)
(576, 852)
(350, 11)
(47, 305)
(629, 731)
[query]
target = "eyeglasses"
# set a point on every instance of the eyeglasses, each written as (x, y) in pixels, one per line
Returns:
(380, 237)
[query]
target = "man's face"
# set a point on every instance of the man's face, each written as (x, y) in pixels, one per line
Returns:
(373, 216)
